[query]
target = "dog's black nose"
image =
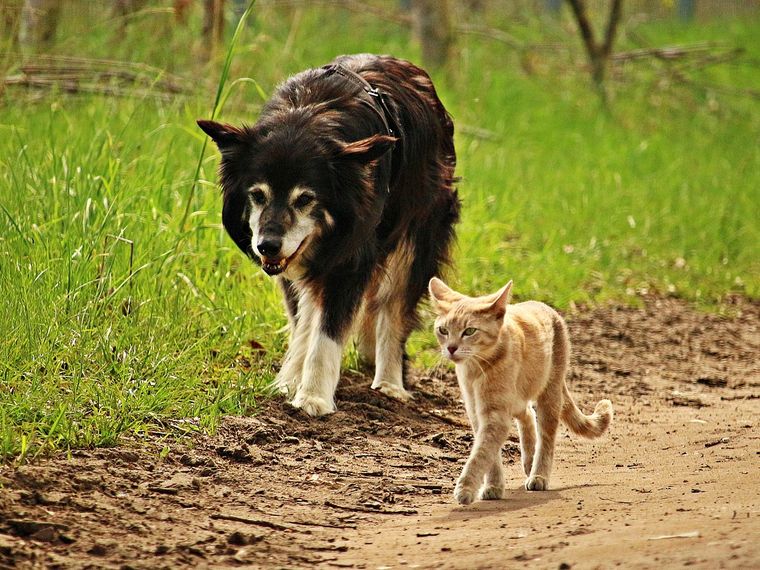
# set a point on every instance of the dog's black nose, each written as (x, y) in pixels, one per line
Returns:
(269, 247)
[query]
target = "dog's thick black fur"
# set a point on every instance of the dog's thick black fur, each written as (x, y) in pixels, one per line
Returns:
(379, 183)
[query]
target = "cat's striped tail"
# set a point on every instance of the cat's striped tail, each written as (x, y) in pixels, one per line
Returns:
(587, 426)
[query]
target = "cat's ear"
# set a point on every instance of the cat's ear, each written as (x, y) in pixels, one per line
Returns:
(499, 305)
(442, 295)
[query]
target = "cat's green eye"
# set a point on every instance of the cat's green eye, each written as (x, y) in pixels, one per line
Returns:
(443, 331)
(469, 331)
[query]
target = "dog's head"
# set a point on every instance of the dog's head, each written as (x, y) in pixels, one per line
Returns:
(281, 187)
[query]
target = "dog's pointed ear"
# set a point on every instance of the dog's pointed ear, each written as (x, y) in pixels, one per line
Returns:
(366, 150)
(225, 136)
(442, 296)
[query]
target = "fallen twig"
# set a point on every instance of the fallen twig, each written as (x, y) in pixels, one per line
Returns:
(744, 397)
(617, 501)
(27, 526)
(255, 522)
(667, 52)
(692, 534)
(76, 86)
(163, 490)
(99, 76)
(325, 525)
(358, 509)
(444, 418)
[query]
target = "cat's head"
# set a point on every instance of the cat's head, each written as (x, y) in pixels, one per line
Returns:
(467, 327)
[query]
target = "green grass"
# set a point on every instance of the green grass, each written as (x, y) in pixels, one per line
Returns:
(118, 318)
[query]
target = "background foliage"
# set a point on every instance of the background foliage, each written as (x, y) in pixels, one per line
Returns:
(117, 317)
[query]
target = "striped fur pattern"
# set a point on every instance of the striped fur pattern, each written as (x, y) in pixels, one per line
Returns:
(508, 357)
(350, 218)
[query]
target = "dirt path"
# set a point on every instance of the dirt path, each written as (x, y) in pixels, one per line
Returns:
(675, 483)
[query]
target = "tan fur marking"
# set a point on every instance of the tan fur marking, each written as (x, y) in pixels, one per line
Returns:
(389, 327)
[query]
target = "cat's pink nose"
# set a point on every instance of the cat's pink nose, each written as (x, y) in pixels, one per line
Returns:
(452, 349)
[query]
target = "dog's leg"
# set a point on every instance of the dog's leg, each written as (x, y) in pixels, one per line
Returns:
(291, 371)
(389, 359)
(290, 298)
(391, 324)
(365, 334)
(321, 372)
(334, 311)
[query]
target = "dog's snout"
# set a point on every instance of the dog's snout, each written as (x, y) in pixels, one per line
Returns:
(269, 247)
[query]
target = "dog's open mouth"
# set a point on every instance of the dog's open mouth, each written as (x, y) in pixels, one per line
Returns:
(273, 266)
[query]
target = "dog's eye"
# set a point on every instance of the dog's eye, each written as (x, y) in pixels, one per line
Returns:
(303, 200)
(469, 331)
(258, 197)
(443, 331)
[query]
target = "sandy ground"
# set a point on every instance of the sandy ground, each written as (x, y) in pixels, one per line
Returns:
(675, 483)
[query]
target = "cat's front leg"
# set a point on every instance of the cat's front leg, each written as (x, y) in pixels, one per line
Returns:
(485, 451)
(494, 484)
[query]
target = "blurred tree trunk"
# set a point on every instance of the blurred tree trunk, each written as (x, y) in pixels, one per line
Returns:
(598, 53)
(127, 7)
(213, 22)
(433, 29)
(181, 11)
(10, 17)
(122, 9)
(39, 22)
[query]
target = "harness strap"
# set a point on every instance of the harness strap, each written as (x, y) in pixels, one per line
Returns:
(378, 97)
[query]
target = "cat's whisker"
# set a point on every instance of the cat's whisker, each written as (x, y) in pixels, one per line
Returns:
(477, 357)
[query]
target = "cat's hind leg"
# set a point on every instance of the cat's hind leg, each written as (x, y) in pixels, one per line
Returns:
(526, 428)
(548, 409)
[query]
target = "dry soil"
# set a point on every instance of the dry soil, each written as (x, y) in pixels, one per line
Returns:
(675, 483)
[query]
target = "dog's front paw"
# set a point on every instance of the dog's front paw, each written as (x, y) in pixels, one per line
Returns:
(285, 383)
(492, 493)
(392, 391)
(313, 405)
(537, 483)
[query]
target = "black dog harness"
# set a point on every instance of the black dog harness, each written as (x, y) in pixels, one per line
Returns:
(378, 97)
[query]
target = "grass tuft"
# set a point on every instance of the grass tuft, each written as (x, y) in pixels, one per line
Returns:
(126, 309)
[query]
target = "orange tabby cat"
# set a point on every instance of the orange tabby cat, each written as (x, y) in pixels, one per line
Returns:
(507, 356)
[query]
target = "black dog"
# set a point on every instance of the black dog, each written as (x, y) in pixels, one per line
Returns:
(344, 190)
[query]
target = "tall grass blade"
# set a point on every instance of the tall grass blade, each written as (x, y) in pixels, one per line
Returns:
(216, 107)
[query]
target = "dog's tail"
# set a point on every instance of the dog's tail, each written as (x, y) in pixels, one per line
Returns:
(587, 426)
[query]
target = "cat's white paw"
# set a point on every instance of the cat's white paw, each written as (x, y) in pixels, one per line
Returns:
(393, 391)
(464, 496)
(537, 483)
(464, 493)
(313, 405)
(492, 493)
